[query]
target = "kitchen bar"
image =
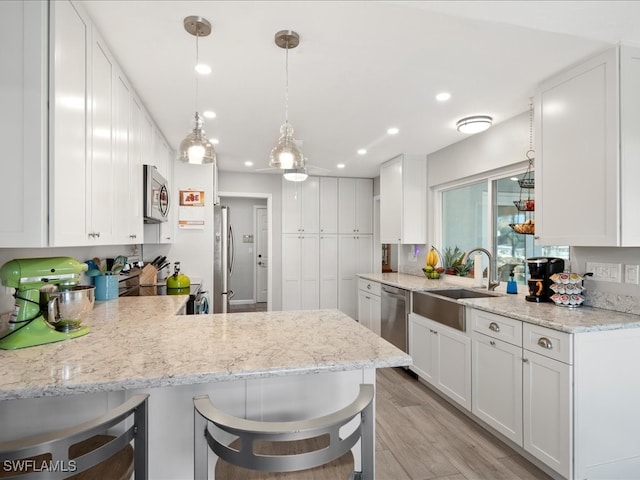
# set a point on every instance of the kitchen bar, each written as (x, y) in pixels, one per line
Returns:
(313, 360)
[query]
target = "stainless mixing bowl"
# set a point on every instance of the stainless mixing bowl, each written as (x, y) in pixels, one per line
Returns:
(66, 309)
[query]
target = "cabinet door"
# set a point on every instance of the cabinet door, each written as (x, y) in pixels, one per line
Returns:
(291, 272)
(578, 126)
(453, 377)
(347, 203)
(547, 400)
(101, 178)
(309, 207)
(375, 312)
(364, 309)
(135, 194)
(328, 271)
(23, 125)
(290, 207)
(391, 201)
(122, 208)
(347, 279)
(496, 385)
(309, 275)
(69, 173)
(328, 205)
(364, 205)
(421, 347)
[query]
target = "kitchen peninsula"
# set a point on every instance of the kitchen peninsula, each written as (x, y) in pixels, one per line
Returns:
(303, 363)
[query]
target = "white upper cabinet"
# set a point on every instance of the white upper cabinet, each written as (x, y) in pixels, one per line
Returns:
(300, 206)
(586, 145)
(23, 125)
(328, 205)
(356, 205)
(69, 171)
(403, 200)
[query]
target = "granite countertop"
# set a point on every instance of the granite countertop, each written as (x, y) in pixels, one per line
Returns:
(140, 342)
(571, 320)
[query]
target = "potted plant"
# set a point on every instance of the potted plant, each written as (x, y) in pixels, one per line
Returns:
(450, 259)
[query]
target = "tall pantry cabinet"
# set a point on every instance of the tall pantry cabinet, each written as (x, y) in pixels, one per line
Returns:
(327, 226)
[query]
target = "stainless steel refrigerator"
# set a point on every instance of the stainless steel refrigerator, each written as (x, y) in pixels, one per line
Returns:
(223, 253)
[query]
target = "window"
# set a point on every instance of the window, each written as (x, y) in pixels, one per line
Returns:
(470, 211)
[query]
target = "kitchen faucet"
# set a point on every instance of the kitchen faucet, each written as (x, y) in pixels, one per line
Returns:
(491, 284)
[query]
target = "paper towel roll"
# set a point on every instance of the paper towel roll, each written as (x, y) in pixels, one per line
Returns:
(477, 270)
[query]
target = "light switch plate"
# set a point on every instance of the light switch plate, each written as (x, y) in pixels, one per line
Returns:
(605, 272)
(631, 274)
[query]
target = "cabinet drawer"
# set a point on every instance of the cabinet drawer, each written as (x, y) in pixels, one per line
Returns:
(548, 342)
(496, 326)
(368, 286)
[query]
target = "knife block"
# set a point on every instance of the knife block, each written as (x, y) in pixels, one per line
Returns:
(148, 280)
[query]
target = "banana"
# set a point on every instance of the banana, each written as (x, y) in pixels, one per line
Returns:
(432, 258)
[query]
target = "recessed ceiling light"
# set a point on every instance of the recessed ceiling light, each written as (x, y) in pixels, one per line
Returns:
(248, 163)
(203, 69)
(514, 179)
(393, 131)
(362, 151)
(340, 165)
(474, 124)
(214, 141)
(209, 114)
(443, 96)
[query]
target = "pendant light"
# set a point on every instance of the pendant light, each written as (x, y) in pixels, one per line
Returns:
(286, 154)
(196, 147)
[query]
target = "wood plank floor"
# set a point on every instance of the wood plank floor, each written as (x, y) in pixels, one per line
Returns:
(419, 436)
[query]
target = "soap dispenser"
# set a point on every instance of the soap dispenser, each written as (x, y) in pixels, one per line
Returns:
(512, 286)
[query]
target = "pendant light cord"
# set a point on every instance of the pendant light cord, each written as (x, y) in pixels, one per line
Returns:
(286, 90)
(196, 71)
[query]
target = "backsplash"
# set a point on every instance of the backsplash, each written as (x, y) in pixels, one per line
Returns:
(618, 297)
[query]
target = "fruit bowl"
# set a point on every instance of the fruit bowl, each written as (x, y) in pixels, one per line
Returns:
(432, 272)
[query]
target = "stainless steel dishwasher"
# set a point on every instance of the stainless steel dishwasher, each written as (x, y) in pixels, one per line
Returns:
(393, 315)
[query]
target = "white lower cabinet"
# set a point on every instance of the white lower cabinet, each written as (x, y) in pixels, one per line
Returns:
(497, 385)
(546, 392)
(300, 272)
(523, 385)
(369, 305)
(441, 357)
(328, 271)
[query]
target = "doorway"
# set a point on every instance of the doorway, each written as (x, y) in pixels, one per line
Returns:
(250, 215)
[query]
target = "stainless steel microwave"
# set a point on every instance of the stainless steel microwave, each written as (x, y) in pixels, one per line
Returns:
(156, 196)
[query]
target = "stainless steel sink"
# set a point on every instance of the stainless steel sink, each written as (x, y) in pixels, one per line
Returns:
(441, 305)
(457, 293)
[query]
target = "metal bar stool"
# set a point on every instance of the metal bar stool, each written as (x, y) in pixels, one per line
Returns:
(84, 451)
(250, 431)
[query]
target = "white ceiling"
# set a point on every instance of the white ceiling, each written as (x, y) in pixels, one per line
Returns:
(361, 67)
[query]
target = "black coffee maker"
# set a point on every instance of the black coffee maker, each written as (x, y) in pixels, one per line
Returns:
(540, 269)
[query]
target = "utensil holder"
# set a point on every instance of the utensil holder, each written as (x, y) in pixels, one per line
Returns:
(106, 287)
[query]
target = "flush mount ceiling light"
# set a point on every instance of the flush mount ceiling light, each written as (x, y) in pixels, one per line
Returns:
(474, 124)
(286, 154)
(196, 147)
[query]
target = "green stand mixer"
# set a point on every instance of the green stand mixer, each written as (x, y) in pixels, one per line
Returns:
(66, 303)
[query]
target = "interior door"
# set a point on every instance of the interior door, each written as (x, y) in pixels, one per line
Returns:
(262, 260)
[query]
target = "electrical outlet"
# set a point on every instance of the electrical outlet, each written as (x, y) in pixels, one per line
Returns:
(605, 272)
(631, 274)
